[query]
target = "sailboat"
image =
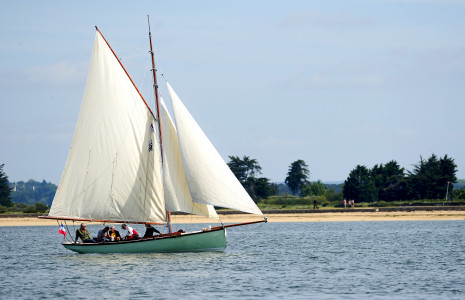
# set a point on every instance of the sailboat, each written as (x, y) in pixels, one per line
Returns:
(129, 165)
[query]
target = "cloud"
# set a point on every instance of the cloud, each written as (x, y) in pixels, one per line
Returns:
(443, 2)
(318, 80)
(444, 59)
(406, 132)
(299, 79)
(367, 130)
(60, 74)
(315, 18)
(280, 143)
(371, 80)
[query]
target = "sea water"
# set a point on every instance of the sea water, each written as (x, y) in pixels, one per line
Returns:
(330, 260)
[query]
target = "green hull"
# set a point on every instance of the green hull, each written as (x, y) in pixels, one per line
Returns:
(211, 240)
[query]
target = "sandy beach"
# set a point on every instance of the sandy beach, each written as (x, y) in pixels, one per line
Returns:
(298, 217)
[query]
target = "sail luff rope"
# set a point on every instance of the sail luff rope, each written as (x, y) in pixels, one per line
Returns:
(66, 224)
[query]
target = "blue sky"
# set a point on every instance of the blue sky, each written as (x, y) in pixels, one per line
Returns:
(335, 83)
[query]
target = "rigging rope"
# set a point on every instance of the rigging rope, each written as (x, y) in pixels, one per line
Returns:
(67, 229)
(65, 237)
(130, 56)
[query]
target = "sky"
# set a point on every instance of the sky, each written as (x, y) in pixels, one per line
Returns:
(334, 83)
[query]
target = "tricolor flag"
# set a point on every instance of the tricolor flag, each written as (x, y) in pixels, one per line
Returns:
(62, 230)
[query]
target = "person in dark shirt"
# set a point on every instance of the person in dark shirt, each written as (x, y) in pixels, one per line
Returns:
(103, 235)
(114, 234)
(150, 230)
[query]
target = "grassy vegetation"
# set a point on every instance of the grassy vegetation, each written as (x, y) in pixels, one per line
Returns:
(23, 208)
(287, 202)
(295, 202)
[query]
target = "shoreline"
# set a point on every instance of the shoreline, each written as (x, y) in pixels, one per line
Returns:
(355, 216)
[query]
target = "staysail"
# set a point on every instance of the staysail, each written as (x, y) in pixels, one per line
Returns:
(177, 194)
(209, 178)
(113, 170)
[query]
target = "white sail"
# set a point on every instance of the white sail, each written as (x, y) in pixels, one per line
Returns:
(177, 194)
(110, 173)
(209, 178)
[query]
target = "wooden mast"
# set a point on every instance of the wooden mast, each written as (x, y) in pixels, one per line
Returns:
(155, 90)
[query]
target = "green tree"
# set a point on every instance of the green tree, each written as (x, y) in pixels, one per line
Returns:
(5, 190)
(36, 208)
(32, 191)
(316, 188)
(245, 170)
(458, 194)
(334, 197)
(297, 176)
(429, 178)
(264, 189)
(447, 171)
(389, 179)
(360, 185)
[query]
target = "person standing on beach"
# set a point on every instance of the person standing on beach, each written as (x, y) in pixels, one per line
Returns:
(345, 203)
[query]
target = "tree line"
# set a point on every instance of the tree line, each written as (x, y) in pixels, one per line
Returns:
(431, 178)
(296, 183)
(27, 197)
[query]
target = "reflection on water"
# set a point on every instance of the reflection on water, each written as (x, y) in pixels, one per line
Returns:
(349, 260)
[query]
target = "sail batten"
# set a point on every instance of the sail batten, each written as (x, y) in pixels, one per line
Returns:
(113, 170)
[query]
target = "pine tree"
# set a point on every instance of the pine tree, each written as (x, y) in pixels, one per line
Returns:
(297, 176)
(5, 190)
(430, 177)
(245, 170)
(360, 185)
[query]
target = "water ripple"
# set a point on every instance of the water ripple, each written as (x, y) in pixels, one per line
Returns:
(354, 260)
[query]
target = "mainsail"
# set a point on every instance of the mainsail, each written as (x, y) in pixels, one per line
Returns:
(113, 170)
(209, 178)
